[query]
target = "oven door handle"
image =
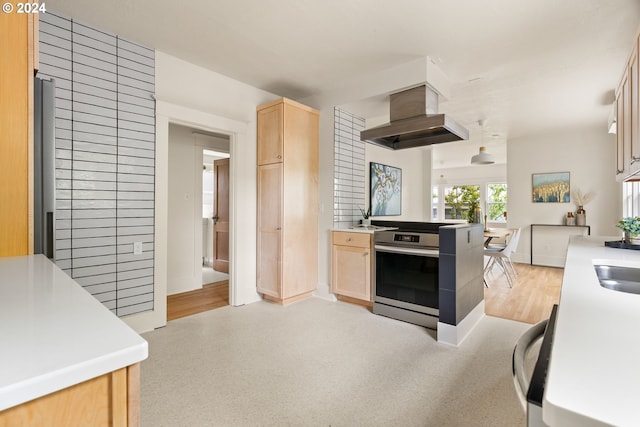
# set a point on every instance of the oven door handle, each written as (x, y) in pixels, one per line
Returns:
(433, 253)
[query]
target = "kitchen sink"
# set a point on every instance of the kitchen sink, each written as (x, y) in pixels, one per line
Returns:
(617, 278)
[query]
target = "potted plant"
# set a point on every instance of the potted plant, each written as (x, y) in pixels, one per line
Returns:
(366, 216)
(631, 228)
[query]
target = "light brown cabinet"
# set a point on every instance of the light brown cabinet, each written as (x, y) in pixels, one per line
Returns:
(19, 57)
(628, 118)
(111, 399)
(351, 265)
(287, 240)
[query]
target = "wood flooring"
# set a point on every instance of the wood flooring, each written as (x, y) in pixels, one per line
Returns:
(213, 295)
(532, 297)
(534, 293)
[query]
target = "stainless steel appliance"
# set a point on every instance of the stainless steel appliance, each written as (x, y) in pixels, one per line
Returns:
(530, 389)
(44, 200)
(406, 281)
(415, 122)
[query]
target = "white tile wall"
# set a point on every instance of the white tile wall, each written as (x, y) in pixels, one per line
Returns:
(105, 160)
(349, 170)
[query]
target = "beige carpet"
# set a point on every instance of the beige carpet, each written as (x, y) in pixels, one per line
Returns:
(320, 363)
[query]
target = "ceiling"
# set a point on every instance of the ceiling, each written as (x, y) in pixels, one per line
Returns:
(524, 67)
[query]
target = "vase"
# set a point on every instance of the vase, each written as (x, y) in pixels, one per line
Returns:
(581, 216)
(632, 239)
(366, 222)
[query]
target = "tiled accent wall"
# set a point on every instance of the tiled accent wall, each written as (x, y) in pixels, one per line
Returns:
(105, 160)
(349, 170)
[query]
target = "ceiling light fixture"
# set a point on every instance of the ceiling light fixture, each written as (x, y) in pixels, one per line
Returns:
(482, 158)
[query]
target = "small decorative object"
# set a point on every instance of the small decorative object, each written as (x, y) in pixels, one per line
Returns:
(477, 215)
(366, 216)
(550, 187)
(570, 219)
(581, 216)
(386, 189)
(580, 200)
(631, 228)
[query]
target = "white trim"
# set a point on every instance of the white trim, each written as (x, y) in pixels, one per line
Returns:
(237, 131)
(455, 334)
(197, 218)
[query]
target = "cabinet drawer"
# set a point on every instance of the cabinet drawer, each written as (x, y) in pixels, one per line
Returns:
(361, 240)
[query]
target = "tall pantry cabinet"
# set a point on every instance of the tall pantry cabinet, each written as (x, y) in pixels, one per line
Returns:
(19, 60)
(287, 241)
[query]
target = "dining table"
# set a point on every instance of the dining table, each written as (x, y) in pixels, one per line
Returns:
(495, 233)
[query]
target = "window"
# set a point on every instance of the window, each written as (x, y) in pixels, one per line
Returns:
(460, 201)
(434, 203)
(496, 203)
(631, 198)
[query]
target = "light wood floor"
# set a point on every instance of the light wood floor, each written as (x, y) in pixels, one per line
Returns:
(534, 293)
(213, 295)
(532, 297)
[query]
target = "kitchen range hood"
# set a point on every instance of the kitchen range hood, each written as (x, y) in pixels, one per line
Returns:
(415, 122)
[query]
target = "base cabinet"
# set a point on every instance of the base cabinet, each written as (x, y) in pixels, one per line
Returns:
(110, 400)
(351, 265)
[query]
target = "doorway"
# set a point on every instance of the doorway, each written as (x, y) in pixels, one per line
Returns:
(198, 221)
(215, 216)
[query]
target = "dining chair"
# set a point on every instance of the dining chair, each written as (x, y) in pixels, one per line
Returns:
(502, 257)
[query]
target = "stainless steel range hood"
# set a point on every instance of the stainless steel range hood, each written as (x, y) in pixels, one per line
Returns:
(415, 122)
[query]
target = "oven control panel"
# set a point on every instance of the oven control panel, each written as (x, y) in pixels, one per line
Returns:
(406, 238)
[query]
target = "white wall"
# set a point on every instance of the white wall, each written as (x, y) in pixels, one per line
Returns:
(411, 161)
(588, 154)
(181, 273)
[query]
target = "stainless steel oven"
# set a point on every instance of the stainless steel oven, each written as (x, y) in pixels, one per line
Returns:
(406, 279)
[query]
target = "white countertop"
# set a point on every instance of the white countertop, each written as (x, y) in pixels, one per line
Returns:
(362, 229)
(53, 333)
(594, 371)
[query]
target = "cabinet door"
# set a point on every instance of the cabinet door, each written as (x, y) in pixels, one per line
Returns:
(270, 230)
(351, 271)
(634, 114)
(620, 129)
(16, 134)
(270, 134)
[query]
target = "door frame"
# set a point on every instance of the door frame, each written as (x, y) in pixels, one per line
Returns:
(241, 280)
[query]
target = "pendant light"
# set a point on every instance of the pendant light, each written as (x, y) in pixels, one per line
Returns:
(482, 158)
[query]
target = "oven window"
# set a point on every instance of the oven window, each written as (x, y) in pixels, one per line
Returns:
(406, 277)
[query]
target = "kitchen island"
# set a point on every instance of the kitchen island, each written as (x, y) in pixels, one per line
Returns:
(65, 359)
(594, 371)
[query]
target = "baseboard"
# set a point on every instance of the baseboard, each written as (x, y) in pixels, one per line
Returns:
(455, 334)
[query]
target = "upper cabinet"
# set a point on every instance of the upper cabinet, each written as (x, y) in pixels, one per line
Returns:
(19, 60)
(270, 134)
(628, 119)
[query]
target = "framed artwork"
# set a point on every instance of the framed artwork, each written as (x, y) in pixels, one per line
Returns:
(385, 190)
(550, 187)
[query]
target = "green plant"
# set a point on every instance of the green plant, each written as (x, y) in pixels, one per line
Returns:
(630, 225)
(462, 199)
(365, 214)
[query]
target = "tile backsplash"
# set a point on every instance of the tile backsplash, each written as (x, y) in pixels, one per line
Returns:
(105, 160)
(349, 169)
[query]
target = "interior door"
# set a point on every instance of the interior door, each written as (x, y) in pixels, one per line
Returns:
(221, 215)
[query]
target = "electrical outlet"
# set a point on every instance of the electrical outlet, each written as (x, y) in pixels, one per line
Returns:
(137, 248)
